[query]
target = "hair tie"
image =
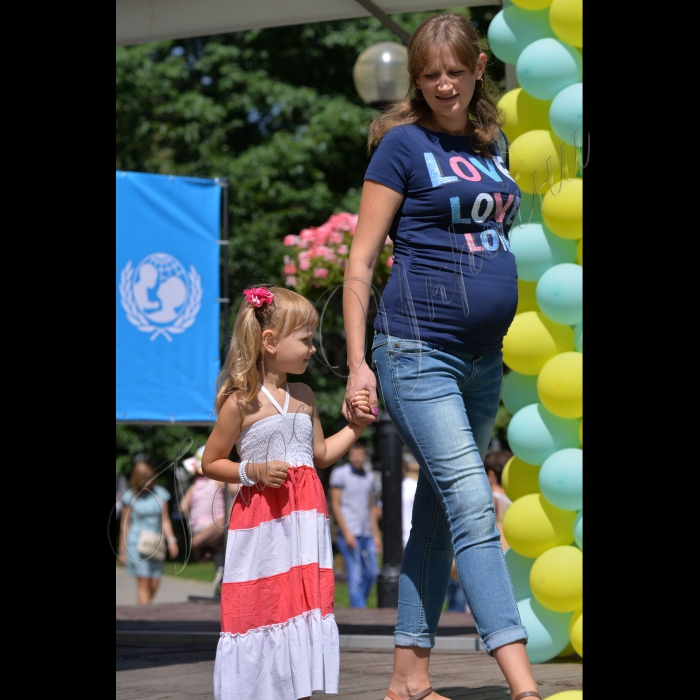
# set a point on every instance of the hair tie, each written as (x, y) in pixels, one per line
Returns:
(258, 296)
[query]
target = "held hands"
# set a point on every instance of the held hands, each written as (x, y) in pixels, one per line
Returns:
(173, 549)
(360, 402)
(360, 394)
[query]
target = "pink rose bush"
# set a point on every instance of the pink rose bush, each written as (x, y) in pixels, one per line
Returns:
(318, 255)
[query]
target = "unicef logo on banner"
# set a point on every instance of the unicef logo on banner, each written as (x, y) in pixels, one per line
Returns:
(159, 296)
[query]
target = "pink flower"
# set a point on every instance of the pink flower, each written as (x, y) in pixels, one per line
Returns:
(290, 269)
(289, 240)
(304, 264)
(291, 281)
(320, 272)
(258, 296)
(342, 249)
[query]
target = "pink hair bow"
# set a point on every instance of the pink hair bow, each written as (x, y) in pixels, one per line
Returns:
(258, 296)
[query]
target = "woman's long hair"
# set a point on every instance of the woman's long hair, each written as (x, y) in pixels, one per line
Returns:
(242, 370)
(435, 34)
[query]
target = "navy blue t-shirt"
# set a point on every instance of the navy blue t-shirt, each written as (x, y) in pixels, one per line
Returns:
(454, 279)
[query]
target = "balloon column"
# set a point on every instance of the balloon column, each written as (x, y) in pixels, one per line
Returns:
(543, 349)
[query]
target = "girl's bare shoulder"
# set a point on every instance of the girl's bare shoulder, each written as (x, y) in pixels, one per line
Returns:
(303, 397)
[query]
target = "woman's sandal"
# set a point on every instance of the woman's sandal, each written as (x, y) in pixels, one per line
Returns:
(528, 694)
(417, 696)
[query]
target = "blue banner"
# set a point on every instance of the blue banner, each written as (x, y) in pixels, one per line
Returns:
(168, 350)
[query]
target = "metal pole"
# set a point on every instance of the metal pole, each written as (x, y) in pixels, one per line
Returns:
(390, 445)
(226, 302)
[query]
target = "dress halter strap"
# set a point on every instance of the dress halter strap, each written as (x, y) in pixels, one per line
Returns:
(283, 411)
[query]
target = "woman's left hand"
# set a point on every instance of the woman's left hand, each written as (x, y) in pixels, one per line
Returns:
(173, 548)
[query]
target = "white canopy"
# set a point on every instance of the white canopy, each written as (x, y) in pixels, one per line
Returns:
(141, 21)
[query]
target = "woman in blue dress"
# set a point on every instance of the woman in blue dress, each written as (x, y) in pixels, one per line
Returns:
(145, 509)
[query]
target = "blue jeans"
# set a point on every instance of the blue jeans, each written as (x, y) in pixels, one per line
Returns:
(361, 567)
(443, 405)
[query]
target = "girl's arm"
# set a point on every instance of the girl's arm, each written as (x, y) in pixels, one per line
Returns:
(168, 531)
(328, 451)
(378, 206)
(215, 460)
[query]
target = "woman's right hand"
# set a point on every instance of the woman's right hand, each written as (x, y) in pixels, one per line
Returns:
(363, 378)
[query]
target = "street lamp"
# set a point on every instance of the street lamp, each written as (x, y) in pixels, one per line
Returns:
(380, 74)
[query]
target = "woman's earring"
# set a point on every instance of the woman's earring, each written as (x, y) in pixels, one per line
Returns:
(479, 88)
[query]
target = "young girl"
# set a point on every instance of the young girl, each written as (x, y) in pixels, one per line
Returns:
(279, 639)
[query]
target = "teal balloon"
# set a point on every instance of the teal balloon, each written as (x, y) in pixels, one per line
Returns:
(535, 434)
(547, 66)
(566, 114)
(529, 212)
(519, 570)
(578, 531)
(578, 336)
(561, 479)
(536, 249)
(559, 293)
(547, 630)
(519, 390)
(513, 28)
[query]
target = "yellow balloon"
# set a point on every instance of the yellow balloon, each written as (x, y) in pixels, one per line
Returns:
(562, 209)
(533, 4)
(560, 385)
(556, 578)
(532, 340)
(567, 695)
(520, 478)
(532, 525)
(539, 159)
(566, 21)
(579, 251)
(523, 113)
(576, 632)
(527, 299)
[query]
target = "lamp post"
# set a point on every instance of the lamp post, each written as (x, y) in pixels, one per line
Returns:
(380, 74)
(392, 541)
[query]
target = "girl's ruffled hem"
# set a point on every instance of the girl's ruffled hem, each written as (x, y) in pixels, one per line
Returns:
(284, 661)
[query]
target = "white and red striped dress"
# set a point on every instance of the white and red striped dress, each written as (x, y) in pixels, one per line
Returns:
(279, 638)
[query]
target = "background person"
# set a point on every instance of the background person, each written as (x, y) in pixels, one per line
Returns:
(494, 463)
(409, 470)
(145, 509)
(438, 185)
(354, 505)
(204, 504)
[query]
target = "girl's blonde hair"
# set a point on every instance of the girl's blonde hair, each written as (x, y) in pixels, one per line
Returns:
(435, 34)
(242, 370)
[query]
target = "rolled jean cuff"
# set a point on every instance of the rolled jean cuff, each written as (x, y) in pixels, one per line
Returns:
(424, 641)
(503, 637)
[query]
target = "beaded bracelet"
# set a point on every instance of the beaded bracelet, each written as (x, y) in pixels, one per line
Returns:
(242, 476)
